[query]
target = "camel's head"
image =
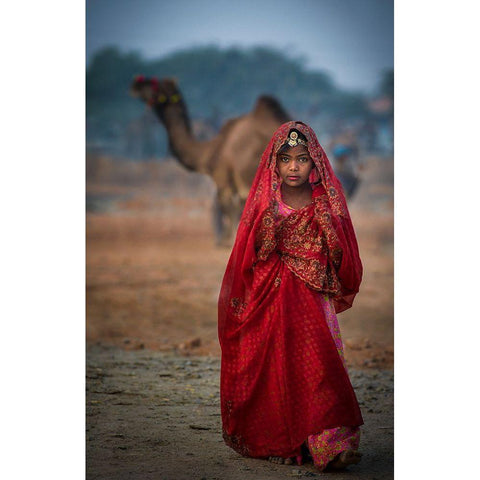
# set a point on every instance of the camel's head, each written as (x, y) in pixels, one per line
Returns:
(154, 92)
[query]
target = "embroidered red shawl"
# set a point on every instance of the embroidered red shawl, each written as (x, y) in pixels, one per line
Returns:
(282, 378)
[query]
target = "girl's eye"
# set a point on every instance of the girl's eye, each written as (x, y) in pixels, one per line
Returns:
(284, 159)
(303, 159)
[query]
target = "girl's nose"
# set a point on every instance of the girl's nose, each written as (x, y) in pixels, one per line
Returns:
(294, 166)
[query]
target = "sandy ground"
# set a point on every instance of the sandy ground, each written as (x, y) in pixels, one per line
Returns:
(153, 276)
(156, 415)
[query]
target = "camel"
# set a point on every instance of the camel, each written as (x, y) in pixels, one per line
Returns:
(230, 158)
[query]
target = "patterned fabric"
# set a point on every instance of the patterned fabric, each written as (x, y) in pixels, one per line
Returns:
(332, 322)
(325, 446)
(284, 210)
(282, 376)
(328, 444)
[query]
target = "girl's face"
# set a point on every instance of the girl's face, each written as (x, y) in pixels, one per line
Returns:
(294, 165)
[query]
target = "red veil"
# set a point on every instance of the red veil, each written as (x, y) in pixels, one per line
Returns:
(282, 378)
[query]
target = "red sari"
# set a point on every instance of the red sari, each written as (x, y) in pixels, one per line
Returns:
(282, 378)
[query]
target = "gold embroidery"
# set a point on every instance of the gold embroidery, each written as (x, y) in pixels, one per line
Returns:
(238, 306)
(308, 244)
(265, 240)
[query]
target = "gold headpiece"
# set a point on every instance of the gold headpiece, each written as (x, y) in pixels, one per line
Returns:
(293, 140)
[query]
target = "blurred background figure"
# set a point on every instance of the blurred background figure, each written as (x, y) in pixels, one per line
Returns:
(347, 161)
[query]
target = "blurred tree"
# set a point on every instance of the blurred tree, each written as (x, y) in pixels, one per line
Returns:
(216, 83)
(387, 84)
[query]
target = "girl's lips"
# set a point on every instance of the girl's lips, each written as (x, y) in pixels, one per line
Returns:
(291, 177)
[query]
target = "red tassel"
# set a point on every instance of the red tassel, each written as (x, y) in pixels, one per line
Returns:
(154, 83)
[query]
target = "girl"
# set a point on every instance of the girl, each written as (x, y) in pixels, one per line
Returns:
(294, 265)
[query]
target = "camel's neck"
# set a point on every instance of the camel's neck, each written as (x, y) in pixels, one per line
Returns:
(183, 145)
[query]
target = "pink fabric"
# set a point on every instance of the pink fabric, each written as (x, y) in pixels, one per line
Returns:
(325, 446)
(283, 210)
(333, 326)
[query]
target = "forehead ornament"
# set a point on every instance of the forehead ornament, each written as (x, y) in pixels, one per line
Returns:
(293, 140)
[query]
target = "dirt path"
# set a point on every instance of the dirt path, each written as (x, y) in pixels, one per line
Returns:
(156, 415)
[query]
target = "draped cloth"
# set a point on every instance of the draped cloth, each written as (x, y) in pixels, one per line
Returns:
(282, 378)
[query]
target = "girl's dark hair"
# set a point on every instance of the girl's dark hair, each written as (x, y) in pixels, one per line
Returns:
(301, 136)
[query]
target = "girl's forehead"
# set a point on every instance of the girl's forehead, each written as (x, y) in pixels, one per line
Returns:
(297, 150)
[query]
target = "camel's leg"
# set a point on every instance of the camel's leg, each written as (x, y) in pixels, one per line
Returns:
(217, 217)
(225, 212)
(240, 207)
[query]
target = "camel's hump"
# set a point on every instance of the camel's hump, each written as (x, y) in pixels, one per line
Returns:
(267, 105)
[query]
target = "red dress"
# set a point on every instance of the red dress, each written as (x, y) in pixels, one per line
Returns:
(282, 378)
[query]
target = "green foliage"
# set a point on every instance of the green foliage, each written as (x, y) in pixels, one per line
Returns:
(108, 79)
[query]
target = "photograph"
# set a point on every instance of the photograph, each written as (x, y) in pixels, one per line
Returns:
(239, 234)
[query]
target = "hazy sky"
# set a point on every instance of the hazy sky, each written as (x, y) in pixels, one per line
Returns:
(350, 39)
